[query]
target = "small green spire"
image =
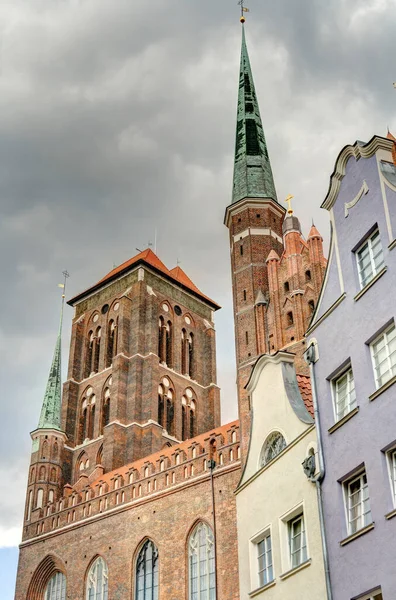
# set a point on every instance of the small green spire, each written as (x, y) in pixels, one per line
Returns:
(50, 417)
(252, 168)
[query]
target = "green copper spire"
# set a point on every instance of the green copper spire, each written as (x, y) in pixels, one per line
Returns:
(50, 417)
(252, 169)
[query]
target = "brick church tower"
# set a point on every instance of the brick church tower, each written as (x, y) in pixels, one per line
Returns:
(276, 274)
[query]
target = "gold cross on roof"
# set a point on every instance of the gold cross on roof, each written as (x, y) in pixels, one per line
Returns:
(288, 200)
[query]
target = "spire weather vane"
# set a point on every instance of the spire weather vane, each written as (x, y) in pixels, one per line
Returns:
(66, 276)
(244, 9)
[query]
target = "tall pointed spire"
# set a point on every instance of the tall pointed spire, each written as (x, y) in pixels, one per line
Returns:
(50, 417)
(252, 168)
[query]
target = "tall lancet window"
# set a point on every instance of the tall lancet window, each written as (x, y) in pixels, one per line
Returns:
(162, 339)
(89, 355)
(189, 421)
(111, 350)
(97, 581)
(56, 587)
(95, 367)
(147, 585)
(105, 409)
(201, 559)
(166, 405)
(183, 352)
(191, 355)
(169, 344)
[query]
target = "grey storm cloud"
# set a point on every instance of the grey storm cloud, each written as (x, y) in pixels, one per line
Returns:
(117, 123)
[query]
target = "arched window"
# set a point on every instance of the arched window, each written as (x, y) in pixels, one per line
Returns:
(169, 343)
(289, 319)
(96, 357)
(89, 354)
(188, 415)
(91, 424)
(147, 572)
(286, 287)
(44, 450)
(162, 340)
(53, 474)
(42, 474)
(191, 355)
(273, 445)
(308, 275)
(111, 350)
(201, 559)
(183, 352)
(40, 498)
(166, 406)
(55, 451)
(97, 581)
(105, 410)
(56, 587)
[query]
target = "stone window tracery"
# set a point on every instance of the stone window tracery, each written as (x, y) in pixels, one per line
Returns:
(97, 581)
(188, 414)
(273, 445)
(201, 559)
(111, 349)
(166, 406)
(56, 587)
(87, 417)
(147, 585)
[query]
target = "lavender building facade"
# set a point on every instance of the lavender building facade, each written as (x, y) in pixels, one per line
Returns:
(352, 350)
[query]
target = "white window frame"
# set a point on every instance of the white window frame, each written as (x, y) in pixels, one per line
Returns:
(266, 574)
(56, 587)
(302, 549)
(350, 397)
(374, 595)
(348, 501)
(391, 462)
(391, 367)
(375, 269)
(254, 541)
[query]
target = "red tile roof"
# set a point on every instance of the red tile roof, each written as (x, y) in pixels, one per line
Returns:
(304, 384)
(165, 452)
(149, 258)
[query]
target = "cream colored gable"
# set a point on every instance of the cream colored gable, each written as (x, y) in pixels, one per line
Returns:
(272, 408)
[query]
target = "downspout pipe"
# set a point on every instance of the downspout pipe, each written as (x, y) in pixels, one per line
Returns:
(311, 356)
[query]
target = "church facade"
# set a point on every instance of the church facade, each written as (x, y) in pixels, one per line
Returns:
(132, 477)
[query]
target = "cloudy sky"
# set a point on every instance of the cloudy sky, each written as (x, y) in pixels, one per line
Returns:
(117, 118)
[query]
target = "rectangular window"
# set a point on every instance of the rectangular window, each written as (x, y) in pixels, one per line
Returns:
(358, 503)
(297, 542)
(375, 595)
(264, 556)
(392, 472)
(383, 352)
(370, 259)
(344, 394)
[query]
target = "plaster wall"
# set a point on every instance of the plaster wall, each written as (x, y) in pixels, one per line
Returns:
(266, 497)
(368, 560)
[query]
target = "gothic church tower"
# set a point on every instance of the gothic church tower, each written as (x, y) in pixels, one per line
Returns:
(269, 256)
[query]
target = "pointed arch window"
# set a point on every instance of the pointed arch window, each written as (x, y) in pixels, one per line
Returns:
(188, 414)
(191, 355)
(183, 352)
(162, 338)
(97, 581)
(273, 445)
(105, 410)
(201, 559)
(147, 585)
(89, 354)
(166, 406)
(111, 349)
(169, 345)
(86, 426)
(56, 587)
(95, 367)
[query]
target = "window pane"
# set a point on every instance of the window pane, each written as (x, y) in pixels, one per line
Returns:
(147, 572)
(202, 564)
(370, 259)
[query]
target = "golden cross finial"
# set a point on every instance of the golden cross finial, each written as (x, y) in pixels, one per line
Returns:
(288, 200)
(243, 10)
